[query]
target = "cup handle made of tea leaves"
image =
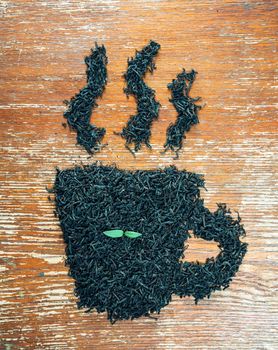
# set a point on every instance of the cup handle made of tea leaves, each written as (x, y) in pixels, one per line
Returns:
(200, 280)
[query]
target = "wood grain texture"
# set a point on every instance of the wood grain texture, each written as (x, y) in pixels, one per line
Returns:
(232, 44)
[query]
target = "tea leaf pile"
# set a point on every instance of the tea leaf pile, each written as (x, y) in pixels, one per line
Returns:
(187, 110)
(129, 278)
(137, 131)
(81, 105)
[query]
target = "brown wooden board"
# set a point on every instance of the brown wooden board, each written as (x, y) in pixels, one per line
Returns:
(232, 45)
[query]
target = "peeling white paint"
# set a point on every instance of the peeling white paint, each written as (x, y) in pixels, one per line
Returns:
(50, 259)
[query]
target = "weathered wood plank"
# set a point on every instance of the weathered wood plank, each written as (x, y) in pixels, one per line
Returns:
(232, 44)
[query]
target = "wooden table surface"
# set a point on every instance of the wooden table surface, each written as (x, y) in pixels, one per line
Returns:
(232, 44)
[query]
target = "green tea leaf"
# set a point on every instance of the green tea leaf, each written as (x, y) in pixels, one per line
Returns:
(114, 233)
(132, 234)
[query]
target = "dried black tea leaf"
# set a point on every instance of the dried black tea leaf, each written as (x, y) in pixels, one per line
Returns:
(129, 278)
(81, 105)
(186, 108)
(138, 129)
